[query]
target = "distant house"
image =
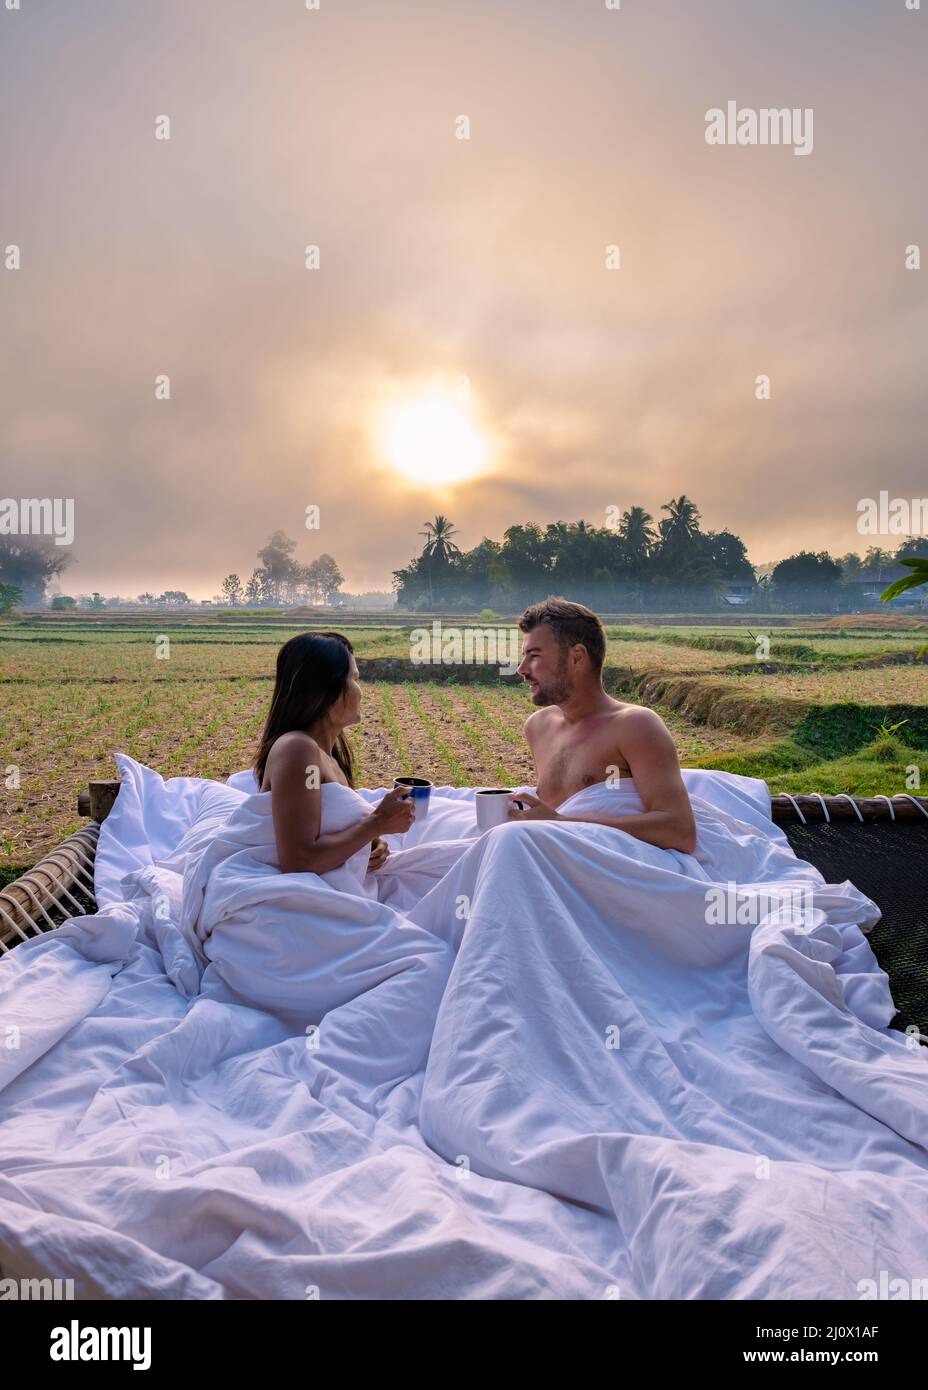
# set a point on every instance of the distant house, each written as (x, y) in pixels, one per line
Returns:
(737, 592)
(867, 588)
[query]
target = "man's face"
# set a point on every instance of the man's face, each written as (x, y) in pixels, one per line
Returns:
(544, 665)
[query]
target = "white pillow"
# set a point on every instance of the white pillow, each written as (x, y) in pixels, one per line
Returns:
(244, 781)
(217, 803)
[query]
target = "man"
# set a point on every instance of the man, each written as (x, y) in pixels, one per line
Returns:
(581, 736)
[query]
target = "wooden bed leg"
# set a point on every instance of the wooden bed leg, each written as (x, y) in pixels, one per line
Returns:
(97, 801)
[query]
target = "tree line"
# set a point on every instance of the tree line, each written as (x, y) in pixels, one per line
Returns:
(665, 566)
(281, 580)
(637, 564)
(278, 580)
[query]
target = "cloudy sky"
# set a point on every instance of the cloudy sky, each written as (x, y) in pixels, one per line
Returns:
(446, 261)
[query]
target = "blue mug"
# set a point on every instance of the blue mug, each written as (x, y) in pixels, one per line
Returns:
(420, 789)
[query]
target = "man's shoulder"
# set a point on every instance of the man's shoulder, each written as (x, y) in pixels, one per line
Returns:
(539, 718)
(640, 721)
(638, 713)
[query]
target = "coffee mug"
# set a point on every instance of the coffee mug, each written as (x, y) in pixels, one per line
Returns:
(419, 788)
(492, 806)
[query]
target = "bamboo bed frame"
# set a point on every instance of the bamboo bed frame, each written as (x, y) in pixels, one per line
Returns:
(61, 884)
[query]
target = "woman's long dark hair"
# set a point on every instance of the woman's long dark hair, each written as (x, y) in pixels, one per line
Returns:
(312, 671)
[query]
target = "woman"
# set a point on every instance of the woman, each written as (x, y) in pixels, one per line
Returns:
(304, 755)
(258, 907)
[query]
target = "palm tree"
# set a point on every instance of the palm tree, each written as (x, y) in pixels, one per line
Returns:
(637, 535)
(637, 539)
(681, 563)
(438, 543)
(439, 547)
(682, 524)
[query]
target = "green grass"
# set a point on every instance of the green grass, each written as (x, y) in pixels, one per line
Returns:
(838, 741)
(388, 713)
(440, 745)
(74, 692)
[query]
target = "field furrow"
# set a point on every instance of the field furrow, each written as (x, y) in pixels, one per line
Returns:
(73, 693)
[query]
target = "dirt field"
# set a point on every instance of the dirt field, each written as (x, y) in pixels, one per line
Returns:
(72, 694)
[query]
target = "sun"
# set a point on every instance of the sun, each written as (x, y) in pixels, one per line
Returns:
(434, 441)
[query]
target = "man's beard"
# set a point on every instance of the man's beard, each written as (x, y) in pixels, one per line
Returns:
(557, 689)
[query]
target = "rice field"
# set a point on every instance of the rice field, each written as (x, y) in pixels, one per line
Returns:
(74, 693)
(145, 659)
(884, 685)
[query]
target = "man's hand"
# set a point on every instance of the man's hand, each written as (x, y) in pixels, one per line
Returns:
(379, 851)
(538, 810)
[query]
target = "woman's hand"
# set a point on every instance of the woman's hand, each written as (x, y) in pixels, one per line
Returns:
(538, 810)
(394, 814)
(379, 851)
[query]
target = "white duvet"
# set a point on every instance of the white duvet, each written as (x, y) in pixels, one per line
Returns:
(528, 1064)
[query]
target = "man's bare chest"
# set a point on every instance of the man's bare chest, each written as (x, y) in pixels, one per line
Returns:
(566, 766)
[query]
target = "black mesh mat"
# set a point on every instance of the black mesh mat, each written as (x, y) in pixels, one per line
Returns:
(889, 862)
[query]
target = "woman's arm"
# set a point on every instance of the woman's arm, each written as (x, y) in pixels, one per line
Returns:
(296, 807)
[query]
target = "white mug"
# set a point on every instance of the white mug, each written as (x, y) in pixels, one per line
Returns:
(492, 807)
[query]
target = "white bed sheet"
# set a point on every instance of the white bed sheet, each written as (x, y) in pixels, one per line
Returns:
(540, 1075)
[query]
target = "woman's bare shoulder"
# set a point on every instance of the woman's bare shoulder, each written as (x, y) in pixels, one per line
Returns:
(294, 749)
(292, 743)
